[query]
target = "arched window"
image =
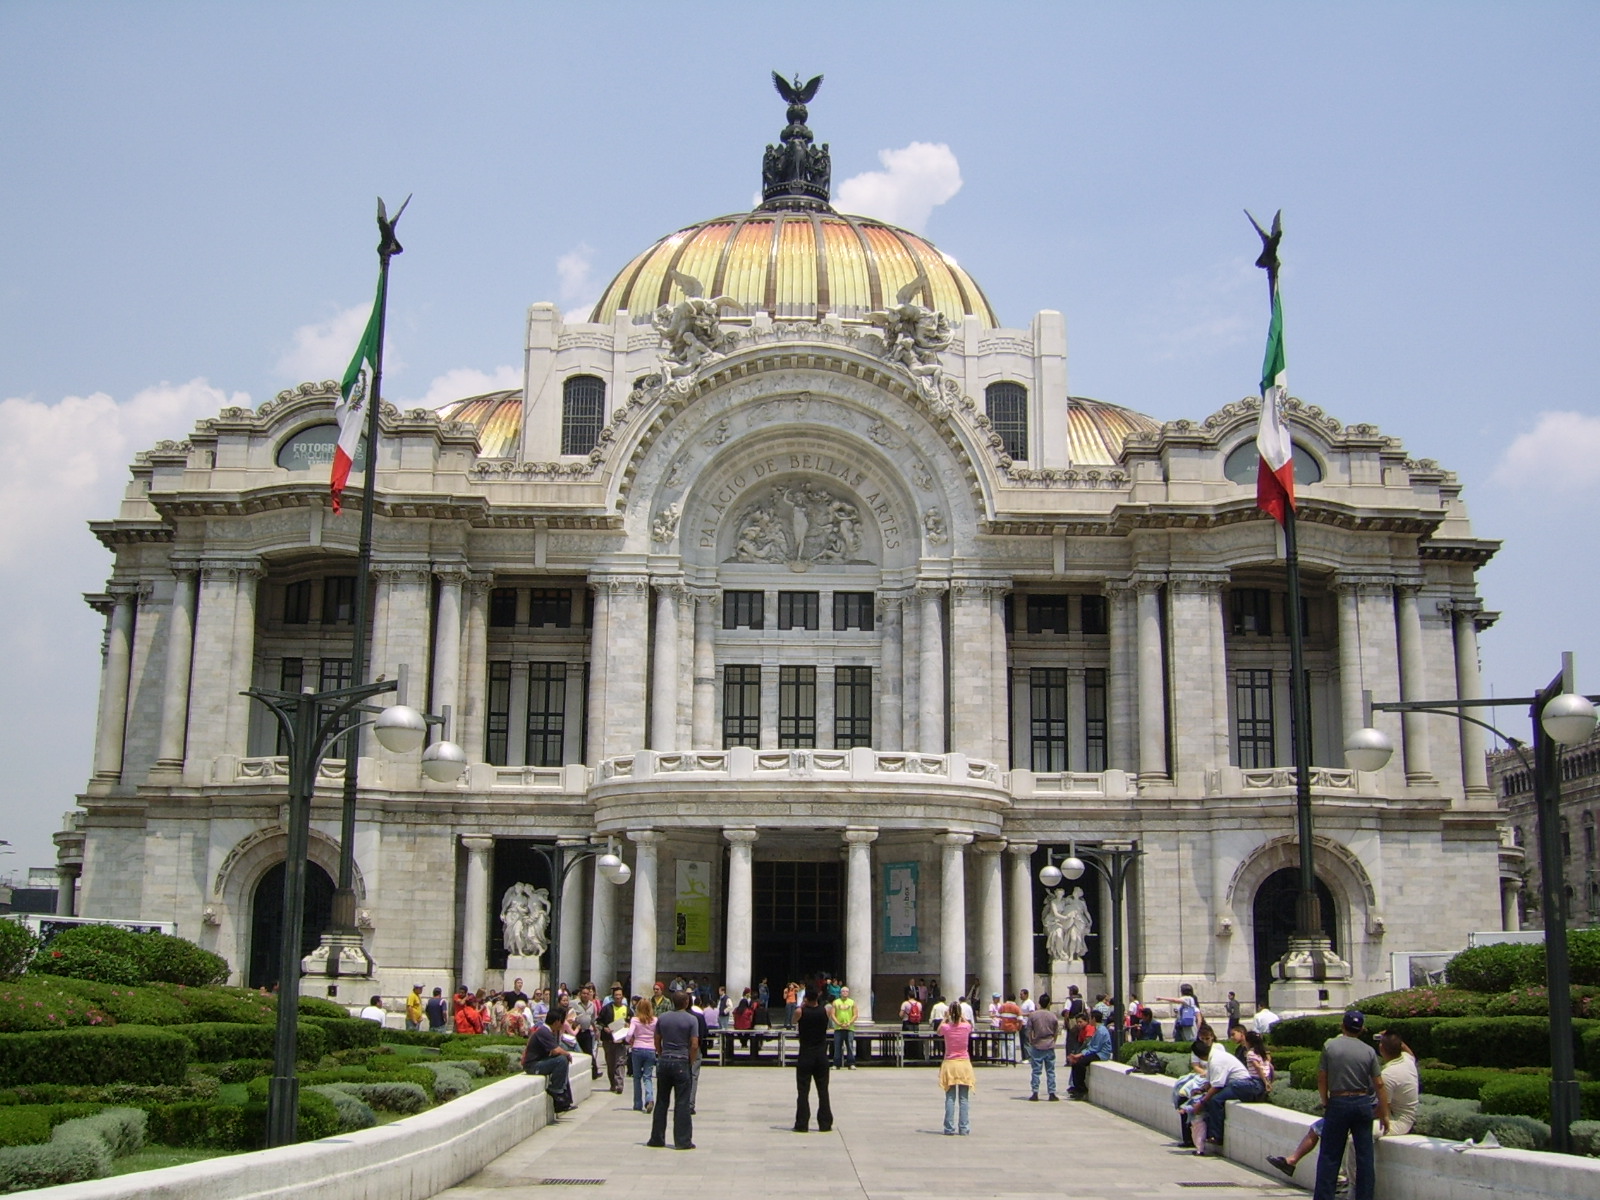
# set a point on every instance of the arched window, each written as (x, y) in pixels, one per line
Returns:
(1588, 835)
(1516, 835)
(1007, 406)
(583, 412)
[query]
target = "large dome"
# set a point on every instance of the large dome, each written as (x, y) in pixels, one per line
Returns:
(797, 266)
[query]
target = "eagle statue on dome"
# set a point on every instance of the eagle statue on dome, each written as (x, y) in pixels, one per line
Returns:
(914, 336)
(691, 330)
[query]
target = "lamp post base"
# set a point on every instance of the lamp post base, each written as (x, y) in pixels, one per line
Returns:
(341, 956)
(1310, 976)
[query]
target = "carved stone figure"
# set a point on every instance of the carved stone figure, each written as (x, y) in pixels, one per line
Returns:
(691, 330)
(1066, 924)
(799, 525)
(525, 920)
(914, 337)
(933, 527)
(666, 525)
(796, 174)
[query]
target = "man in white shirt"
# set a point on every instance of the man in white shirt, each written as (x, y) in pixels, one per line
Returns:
(1025, 1002)
(1223, 1069)
(1400, 1081)
(940, 1011)
(1264, 1020)
(374, 1011)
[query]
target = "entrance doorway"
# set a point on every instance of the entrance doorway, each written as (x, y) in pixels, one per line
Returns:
(1274, 919)
(798, 926)
(266, 921)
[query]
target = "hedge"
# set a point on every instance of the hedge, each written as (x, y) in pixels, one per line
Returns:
(1422, 1002)
(220, 1041)
(390, 1096)
(1586, 1137)
(1458, 1120)
(1506, 965)
(78, 1149)
(424, 1079)
(221, 1126)
(126, 1054)
(1464, 1083)
(449, 1081)
(354, 1112)
(316, 1006)
(111, 954)
(343, 1032)
(410, 1037)
(31, 1124)
(1535, 1002)
(1529, 1096)
(235, 1005)
(17, 948)
(1503, 1042)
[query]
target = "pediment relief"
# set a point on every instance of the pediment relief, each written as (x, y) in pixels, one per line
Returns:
(799, 524)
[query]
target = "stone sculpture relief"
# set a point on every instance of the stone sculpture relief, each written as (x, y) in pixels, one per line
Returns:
(799, 525)
(691, 332)
(914, 337)
(666, 524)
(1066, 925)
(525, 920)
(933, 527)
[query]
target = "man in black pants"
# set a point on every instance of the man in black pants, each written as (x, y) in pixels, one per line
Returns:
(812, 1063)
(677, 1050)
(545, 1055)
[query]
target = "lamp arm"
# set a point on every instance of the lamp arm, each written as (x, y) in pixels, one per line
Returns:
(1411, 706)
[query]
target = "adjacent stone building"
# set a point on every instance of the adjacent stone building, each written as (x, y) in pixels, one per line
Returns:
(810, 586)
(1580, 810)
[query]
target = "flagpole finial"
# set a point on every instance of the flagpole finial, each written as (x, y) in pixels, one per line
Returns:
(1268, 261)
(388, 244)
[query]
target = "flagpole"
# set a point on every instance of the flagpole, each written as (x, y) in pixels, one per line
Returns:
(344, 896)
(1308, 909)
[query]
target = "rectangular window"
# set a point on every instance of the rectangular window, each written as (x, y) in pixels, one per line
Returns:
(852, 707)
(297, 603)
(798, 610)
(1253, 709)
(797, 705)
(741, 705)
(547, 713)
(291, 678)
(1094, 719)
(744, 610)
(1252, 612)
(1048, 717)
(338, 599)
(1007, 406)
(1047, 614)
(852, 610)
(335, 673)
(583, 408)
(503, 608)
(1094, 614)
(496, 744)
(550, 606)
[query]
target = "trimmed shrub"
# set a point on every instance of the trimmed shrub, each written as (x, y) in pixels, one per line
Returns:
(243, 1070)
(89, 962)
(316, 1006)
(119, 1130)
(82, 1148)
(1587, 1035)
(1459, 1120)
(236, 1006)
(343, 1032)
(1311, 1032)
(127, 1054)
(1422, 1002)
(354, 1112)
(1458, 1084)
(1529, 1096)
(1586, 1138)
(422, 1078)
(1298, 1099)
(395, 1096)
(449, 1081)
(17, 948)
(131, 1095)
(476, 1067)
(31, 1124)
(411, 1037)
(1502, 1042)
(220, 1041)
(109, 954)
(1497, 968)
(1535, 1002)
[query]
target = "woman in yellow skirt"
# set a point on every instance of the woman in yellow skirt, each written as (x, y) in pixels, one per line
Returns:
(955, 1072)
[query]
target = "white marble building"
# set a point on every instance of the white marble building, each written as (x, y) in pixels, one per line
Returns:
(860, 618)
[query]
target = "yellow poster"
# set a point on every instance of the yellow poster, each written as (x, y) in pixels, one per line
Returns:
(692, 920)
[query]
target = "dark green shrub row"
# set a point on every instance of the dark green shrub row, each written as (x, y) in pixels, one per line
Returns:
(1423, 1002)
(317, 1006)
(1504, 966)
(17, 948)
(344, 1032)
(129, 1054)
(219, 1126)
(218, 1041)
(1529, 1096)
(424, 1079)
(1462, 1084)
(82, 1148)
(243, 1070)
(118, 1095)
(354, 1112)
(411, 1037)
(31, 1124)
(1502, 1042)
(1535, 1002)
(108, 954)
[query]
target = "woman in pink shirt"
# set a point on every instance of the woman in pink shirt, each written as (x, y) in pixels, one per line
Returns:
(641, 1038)
(955, 1072)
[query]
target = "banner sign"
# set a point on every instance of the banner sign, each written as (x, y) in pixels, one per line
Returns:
(900, 908)
(692, 921)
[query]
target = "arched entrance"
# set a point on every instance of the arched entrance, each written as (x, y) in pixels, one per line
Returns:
(266, 920)
(1275, 919)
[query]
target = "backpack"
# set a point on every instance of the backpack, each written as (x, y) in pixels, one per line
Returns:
(1148, 1062)
(914, 1012)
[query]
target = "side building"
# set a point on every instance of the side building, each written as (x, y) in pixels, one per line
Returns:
(1577, 817)
(800, 579)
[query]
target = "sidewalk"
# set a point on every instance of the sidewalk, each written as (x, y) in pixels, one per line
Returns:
(886, 1142)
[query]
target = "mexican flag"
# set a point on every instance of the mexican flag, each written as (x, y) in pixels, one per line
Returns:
(1275, 473)
(354, 392)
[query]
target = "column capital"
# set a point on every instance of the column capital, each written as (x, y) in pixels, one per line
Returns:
(393, 573)
(145, 593)
(1360, 584)
(646, 837)
(1117, 588)
(1147, 583)
(953, 838)
(1467, 606)
(887, 602)
(456, 573)
(477, 585)
(995, 846)
(977, 590)
(741, 837)
(226, 570)
(1198, 582)
(670, 585)
(1022, 849)
(861, 835)
(477, 845)
(184, 568)
(931, 589)
(620, 585)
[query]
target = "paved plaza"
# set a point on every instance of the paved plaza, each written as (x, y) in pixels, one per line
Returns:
(886, 1142)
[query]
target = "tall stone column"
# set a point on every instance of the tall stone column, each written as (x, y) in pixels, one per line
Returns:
(1413, 686)
(643, 967)
(953, 913)
(891, 685)
(627, 665)
(598, 633)
(475, 926)
(67, 891)
(241, 665)
(1121, 680)
(474, 717)
(569, 950)
(1200, 737)
(447, 651)
(210, 664)
(1469, 686)
(603, 932)
(991, 920)
(1000, 673)
(1510, 920)
(858, 914)
(1350, 675)
(400, 633)
(972, 685)
(910, 669)
(741, 909)
(1020, 898)
(664, 668)
(175, 686)
(1152, 685)
(930, 683)
(704, 723)
(114, 687)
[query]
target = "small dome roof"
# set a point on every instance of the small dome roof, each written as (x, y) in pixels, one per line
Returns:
(797, 266)
(1095, 429)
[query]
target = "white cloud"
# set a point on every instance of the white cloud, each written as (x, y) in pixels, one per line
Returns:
(322, 349)
(915, 180)
(578, 287)
(467, 381)
(1562, 450)
(62, 464)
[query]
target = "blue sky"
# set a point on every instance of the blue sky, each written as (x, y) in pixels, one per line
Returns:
(186, 221)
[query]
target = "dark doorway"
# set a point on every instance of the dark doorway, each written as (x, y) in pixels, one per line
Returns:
(266, 921)
(798, 928)
(1274, 921)
(518, 860)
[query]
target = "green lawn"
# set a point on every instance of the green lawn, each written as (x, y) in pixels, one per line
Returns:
(152, 1157)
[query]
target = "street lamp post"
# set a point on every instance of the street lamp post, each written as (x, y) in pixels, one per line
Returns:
(311, 723)
(1113, 861)
(561, 862)
(1560, 717)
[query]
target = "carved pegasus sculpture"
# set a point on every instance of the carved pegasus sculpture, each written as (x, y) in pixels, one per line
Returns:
(691, 330)
(913, 336)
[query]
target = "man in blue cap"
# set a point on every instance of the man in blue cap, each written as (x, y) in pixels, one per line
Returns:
(1350, 1078)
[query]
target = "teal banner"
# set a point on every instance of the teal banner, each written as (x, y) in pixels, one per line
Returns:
(900, 908)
